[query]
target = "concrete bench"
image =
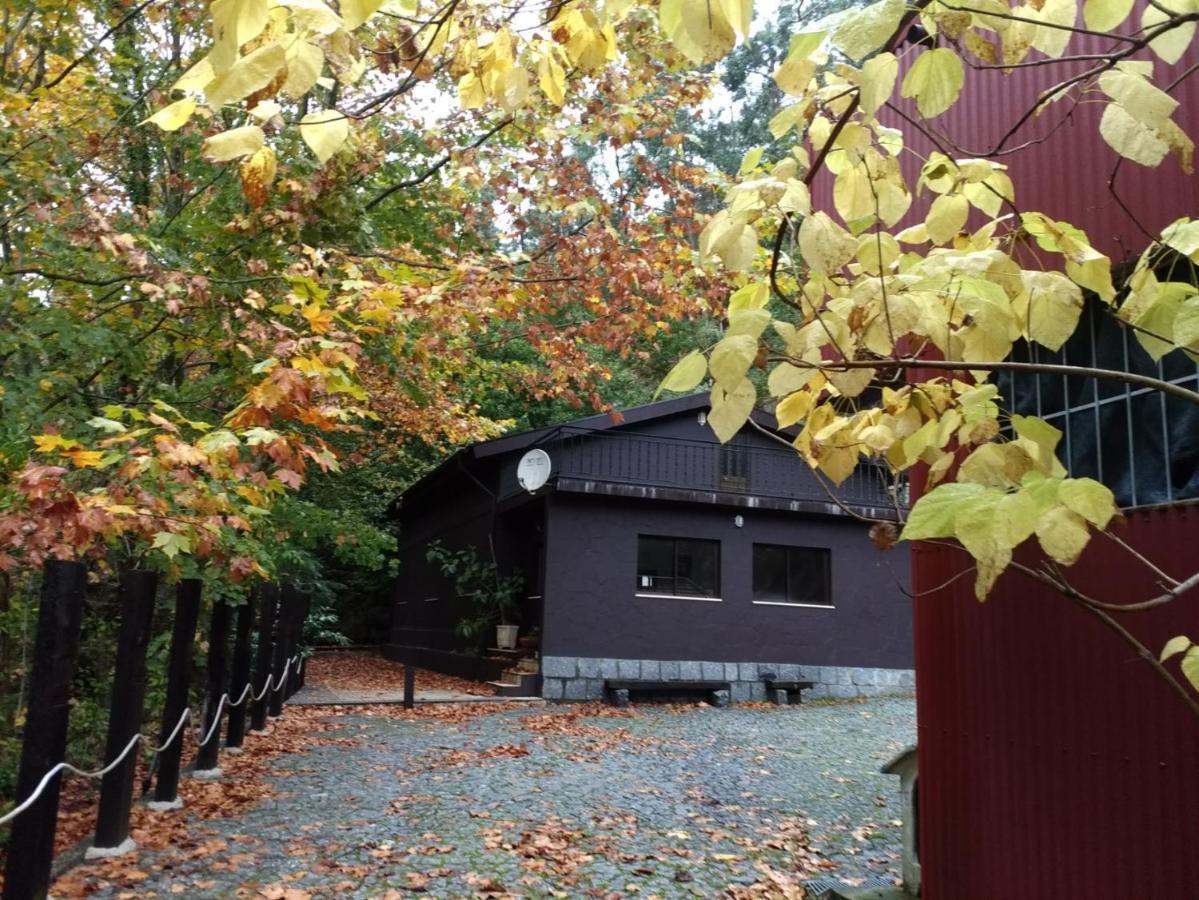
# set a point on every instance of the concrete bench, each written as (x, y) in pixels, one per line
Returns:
(618, 689)
(785, 692)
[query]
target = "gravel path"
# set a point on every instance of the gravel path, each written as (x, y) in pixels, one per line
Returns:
(560, 801)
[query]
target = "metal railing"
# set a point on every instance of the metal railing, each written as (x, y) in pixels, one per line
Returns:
(702, 466)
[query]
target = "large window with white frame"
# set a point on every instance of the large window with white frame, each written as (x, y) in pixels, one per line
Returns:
(792, 576)
(1140, 442)
(678, 567)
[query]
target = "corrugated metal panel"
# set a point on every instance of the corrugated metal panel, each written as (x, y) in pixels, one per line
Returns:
(1053, 762)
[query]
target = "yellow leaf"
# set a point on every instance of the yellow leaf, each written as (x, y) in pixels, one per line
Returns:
(878, 81)
(1048, 308)
(1130, 138)
(195, 78)
(935, 80)
(251, 73)
(48, 443)
(863, 31)
(793, 408)
(698, 28)
(173, 117)
(730, 239)
(1173, 43)
(1058, 16)
(471, 93)
(1129, 86)
(686, 375)
(1190, 667)
(825, 245)
(232, 144)
(732, 357)
(1174, 646)
(234, 22)
(324, 131)
(731, 408)
(552, 79)
(304, 64)
(754, 295)
(1090, 499)
(947, 217)
(355, 12)
(785, 379)
(853, 195)
(1104, 15)
(85, 459)
(1063, 534)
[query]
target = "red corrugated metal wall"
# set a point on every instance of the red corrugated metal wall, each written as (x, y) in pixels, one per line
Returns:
(1053, 763)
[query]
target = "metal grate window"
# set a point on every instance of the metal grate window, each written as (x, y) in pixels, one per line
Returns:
(1139, 442)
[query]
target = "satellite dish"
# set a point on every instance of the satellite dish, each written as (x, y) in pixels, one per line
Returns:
(533, 470)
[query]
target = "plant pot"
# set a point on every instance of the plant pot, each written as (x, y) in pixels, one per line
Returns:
(529, 641)
(505, 636)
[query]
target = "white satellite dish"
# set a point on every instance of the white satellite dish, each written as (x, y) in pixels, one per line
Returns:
(533, 470)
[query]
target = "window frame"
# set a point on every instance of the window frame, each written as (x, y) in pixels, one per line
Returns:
(827, 558)
(643, 592)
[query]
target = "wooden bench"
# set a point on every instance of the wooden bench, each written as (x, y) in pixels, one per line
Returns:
(786, 692)
(617, 690)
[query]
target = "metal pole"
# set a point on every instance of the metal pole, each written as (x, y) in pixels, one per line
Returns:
(138, 587)
(31, 843)
(218, 661)
(236, 733)
(268, 607)
(183, 635)
(409, 685)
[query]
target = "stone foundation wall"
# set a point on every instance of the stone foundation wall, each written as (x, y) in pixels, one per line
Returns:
(582, 677)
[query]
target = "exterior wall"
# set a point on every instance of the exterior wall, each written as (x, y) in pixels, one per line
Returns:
(425, 607)
(1053, 763)
(582, 678)
(592, 611)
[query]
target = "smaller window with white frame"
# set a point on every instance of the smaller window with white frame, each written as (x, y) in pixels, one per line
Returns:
(792, 576)
(687, 568)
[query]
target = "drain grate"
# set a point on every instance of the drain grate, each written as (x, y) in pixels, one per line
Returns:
(818, 887)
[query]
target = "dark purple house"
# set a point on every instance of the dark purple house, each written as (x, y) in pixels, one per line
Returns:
(654, 552)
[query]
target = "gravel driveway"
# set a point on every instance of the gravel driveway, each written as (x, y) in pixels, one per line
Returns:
(562, 801)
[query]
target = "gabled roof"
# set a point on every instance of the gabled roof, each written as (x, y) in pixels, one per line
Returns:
(523, 440)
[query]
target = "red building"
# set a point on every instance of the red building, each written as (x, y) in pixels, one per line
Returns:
(1053, 763)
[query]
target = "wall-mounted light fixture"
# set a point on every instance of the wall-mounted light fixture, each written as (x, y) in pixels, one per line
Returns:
(738, 521)
(702, 418)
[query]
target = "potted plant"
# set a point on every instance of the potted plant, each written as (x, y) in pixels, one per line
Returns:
(495, 595)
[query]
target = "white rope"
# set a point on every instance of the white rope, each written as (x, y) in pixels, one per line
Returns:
(133, 741)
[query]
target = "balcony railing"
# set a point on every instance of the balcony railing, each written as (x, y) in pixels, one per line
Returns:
(700, 466)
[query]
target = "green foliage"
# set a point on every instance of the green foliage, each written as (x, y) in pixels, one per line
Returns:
(493, 594)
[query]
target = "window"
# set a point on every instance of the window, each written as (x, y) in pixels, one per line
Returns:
(734, 465)
(1138, 441)
(793, 575)
(678, 567)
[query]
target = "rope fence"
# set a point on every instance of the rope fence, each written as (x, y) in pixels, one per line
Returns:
(225, 700)
(277, 616)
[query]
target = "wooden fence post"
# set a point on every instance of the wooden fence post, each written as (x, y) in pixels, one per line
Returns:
(31, 842)
(298, 641)
(218, 661)
(287, 601)
(268, 607)
(183, 635)
(236, 733)
(138, 587)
